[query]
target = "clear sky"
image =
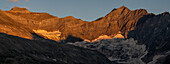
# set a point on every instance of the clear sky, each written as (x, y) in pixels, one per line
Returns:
(87, 10)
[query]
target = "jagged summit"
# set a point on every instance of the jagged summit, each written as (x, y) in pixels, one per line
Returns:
(122, 8)
(20, 10)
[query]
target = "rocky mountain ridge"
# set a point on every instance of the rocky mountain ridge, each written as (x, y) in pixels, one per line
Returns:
(121, 19)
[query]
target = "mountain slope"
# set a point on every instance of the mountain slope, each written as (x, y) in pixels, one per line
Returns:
(155, 34)
(16, 50)
(10, 26)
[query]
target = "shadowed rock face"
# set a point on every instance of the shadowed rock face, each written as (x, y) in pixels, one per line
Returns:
(121, 19)
(16, 50)
(155, 34)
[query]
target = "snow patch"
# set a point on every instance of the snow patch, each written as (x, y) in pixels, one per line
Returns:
(55, 35)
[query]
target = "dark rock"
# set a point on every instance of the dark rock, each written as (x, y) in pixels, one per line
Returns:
(155, 34)
(71, 38)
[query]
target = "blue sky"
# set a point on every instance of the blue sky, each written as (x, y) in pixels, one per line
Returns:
(87, 10)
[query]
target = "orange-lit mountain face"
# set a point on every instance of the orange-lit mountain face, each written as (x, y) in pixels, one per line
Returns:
(51, 27)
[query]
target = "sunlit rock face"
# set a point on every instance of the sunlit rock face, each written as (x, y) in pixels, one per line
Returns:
(10, 26)
(19, 10)
(55, 35)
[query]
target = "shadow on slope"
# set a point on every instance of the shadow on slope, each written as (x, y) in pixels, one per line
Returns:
(71, 38)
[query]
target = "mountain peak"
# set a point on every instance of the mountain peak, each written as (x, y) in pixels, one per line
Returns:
(123, 6)
(70, 17)
(118, 11)
(18, 9)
